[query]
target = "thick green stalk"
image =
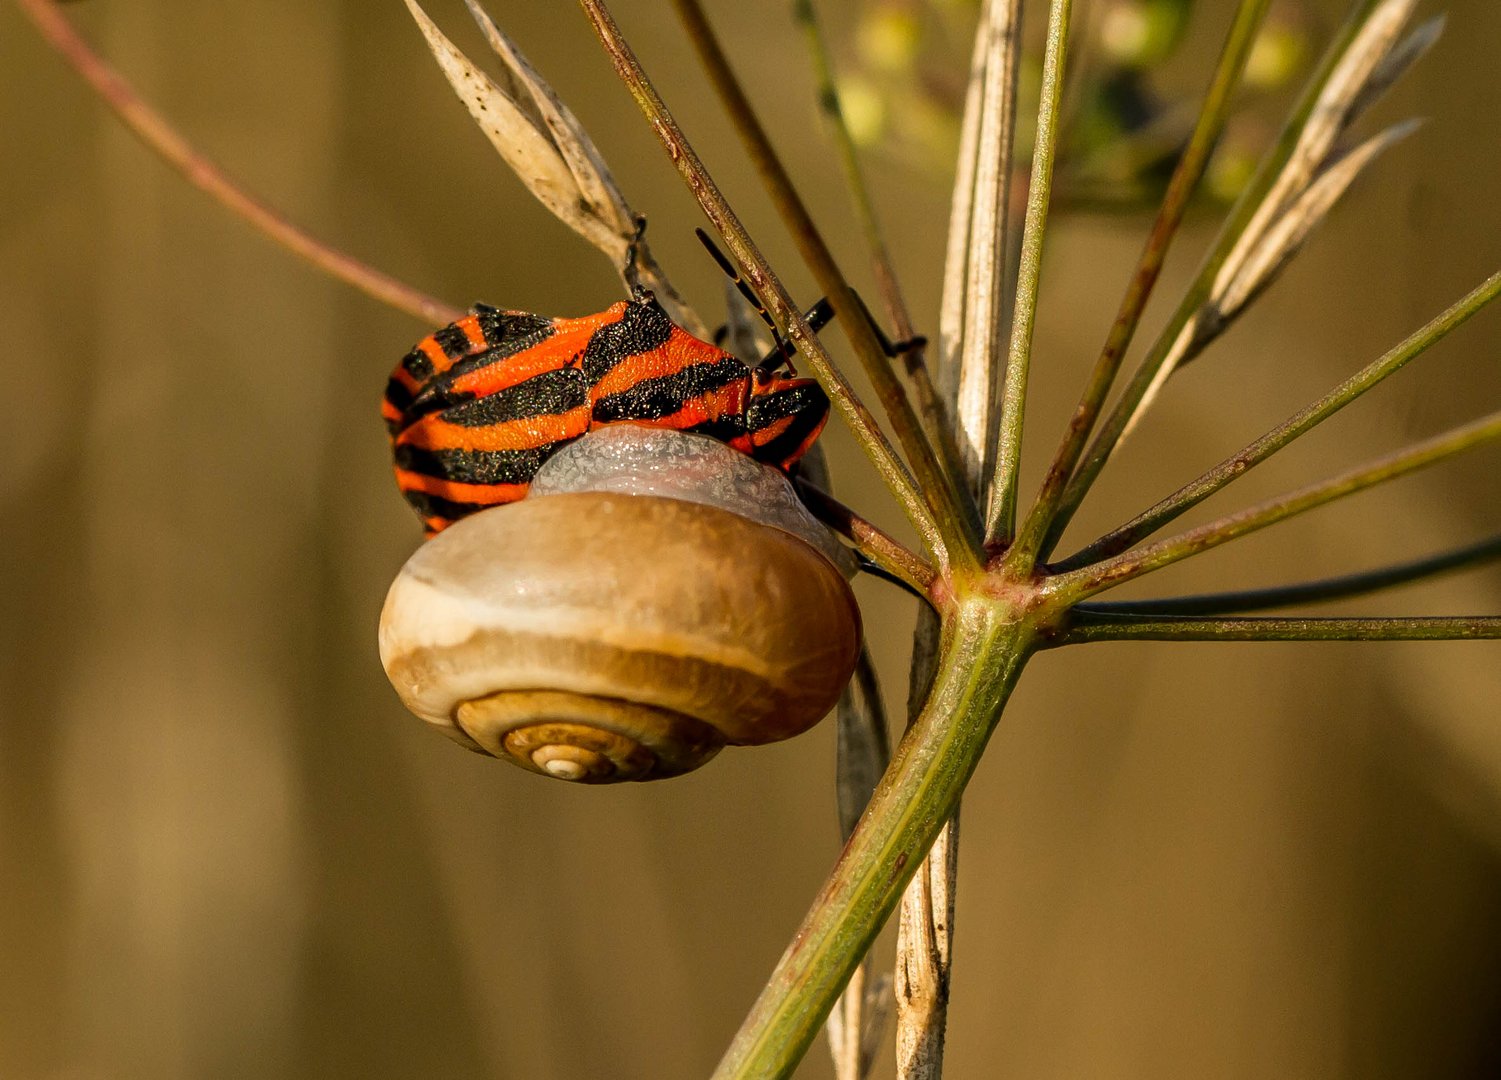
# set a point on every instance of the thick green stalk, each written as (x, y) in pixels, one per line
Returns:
(985, 646)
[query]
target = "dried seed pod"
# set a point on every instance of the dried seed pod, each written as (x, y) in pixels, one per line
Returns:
(657, 596)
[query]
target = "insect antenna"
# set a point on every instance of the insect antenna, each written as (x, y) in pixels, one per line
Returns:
(818, 316)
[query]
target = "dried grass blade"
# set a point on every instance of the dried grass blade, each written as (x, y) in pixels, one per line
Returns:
(975, 294)
(575, 147)
(548, 149)
(514, 133)
(1395, 64)
(1286, 235)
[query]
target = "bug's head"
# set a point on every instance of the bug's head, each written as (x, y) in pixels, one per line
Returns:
(783, 416)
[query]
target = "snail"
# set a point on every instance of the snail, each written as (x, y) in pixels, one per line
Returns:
(656, 596)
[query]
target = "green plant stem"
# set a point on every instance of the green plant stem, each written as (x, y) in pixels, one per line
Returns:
(984, 649)
(1126, 628)
(1184, 181)
(932, 462)
(1087, 581)
(1241, 462)
(1001, 516)
(167, 143)
(929, 404)
(1309, 592)
(944, 531)
(1245, 211)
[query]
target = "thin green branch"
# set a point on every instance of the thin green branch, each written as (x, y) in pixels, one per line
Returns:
(1309, 592)
(881, 549)
(1125, 628)
(948, 508)
(929, 405)
(1184, 181)
(944, 536)
(167, 143)
(1248, 210)
(1001, 516)
(1078, 584)
(1238, 464)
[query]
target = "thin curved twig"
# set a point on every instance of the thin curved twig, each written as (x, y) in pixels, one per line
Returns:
(1000, 517)
(1247, 458)
(888, 554)
(168, 144)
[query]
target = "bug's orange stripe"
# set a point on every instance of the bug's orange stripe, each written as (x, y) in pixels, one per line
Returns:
(455, 491)
(470, 325)
(556, 352)
(389, 411)
(762, 436)
(433, 433)
(681, 350)
(404, 377)
(435, 354)
(724, 401)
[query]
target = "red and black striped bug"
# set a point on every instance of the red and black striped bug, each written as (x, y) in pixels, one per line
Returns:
(476, 408)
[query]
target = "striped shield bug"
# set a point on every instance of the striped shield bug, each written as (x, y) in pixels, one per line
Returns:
(476, 408)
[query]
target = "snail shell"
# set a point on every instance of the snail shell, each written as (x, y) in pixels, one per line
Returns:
(657, 596)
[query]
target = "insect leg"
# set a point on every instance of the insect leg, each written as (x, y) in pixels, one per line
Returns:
(632, 271)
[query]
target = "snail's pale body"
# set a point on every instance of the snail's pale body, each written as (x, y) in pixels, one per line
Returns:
(594, 634)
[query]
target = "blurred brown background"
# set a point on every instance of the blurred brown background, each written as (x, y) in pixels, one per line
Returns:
(226, 851)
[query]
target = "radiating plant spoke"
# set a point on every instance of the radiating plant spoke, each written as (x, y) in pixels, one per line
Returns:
(1238, 464)
(1180, 188)
(1096, 578)
(1000, 518)
(1309, 592)
(932, 461)
(1271, 217)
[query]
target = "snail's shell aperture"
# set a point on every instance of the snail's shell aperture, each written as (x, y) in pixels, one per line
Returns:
(596, 636)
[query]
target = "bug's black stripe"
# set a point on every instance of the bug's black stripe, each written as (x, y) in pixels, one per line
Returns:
(506, 333)
(651, 399)
(546, 394)
(398, 395)
(509, 332)
(723, 428)
(477, 466)
(453, 341)
(764, 410)
(787, 443)
(643, 327)
(418, 365)
(435, 506)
